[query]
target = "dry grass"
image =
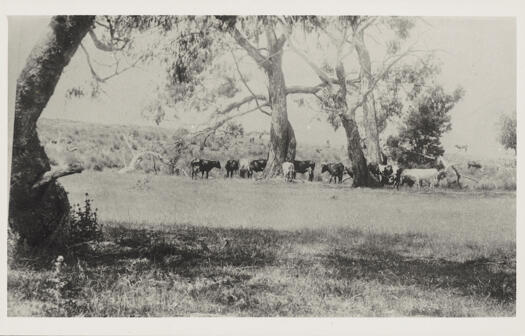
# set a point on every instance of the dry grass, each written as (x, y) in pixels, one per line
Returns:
(177, 248)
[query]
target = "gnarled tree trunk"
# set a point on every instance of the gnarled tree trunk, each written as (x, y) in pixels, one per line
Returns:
(38, 204)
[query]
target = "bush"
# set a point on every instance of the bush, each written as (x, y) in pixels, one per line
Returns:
(83, 224)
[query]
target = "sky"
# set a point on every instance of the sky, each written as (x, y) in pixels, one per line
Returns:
(478, 54)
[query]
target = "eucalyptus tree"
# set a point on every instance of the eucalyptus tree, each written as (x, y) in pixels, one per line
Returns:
(38, 204)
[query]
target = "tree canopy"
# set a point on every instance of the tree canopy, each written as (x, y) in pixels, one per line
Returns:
(419, 137)
(507, 133)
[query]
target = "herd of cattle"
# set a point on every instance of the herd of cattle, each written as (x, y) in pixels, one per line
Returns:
(384, 174)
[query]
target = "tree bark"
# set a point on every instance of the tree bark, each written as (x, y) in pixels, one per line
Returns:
(282, 137)
(369, 109)
(353, 139)
(38, 204)
(355, 154)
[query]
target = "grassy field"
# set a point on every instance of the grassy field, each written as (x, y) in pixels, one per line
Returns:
(176, 247)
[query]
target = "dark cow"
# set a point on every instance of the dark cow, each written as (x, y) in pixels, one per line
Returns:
(302, 167)
(231, 167)
(257, 166)
(336, 171)
(384, 174)
(349, 171)
(203, 166)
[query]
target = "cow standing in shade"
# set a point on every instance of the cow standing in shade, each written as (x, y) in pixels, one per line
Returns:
(231, 167)
(336, 171)
(304, 167)
(244, 168)
(257, 166)
(288, 171)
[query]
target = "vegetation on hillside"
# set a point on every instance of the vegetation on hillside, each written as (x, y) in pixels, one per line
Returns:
(99, 147)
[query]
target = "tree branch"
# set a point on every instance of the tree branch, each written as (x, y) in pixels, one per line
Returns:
(322, 76)
(246, 84)
(55, 173)
(252, 51)
(377, 78)
(88, 58)
(103, 46)
(305, 89)
(212, 129)
(115, 73)
(243, 101)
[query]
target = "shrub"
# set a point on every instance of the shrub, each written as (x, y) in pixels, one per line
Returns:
(83, 224)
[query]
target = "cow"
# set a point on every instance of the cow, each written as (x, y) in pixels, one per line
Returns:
(203, 166)
(303, 168)
(195, 167)
(257, 166)
(393, 179)
(381, 172)
(450, 177)
(349, 171)
(418, 176)
(244, 168)
(288, 171)
(231, 167)
(387, 173)
(336, 171)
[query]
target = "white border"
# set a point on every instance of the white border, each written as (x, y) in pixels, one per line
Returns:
(260, 326)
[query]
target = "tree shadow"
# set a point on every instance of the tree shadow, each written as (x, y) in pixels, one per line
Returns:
(186, 249)
(477, 277)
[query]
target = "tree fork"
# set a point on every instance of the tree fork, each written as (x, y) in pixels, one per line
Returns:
(38, 204)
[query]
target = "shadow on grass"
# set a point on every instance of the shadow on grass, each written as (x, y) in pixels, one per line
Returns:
(184, 248)
(190, 251)
(477, 277)
(224, 262)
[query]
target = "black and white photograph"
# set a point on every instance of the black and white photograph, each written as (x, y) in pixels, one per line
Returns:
(261, 165)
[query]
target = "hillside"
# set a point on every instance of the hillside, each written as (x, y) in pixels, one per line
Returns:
(100, 147)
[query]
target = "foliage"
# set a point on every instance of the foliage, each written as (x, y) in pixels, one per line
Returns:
(507, 133)
(401, 86)
(423, 127)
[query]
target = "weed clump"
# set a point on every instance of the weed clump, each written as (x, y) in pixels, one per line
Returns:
(83, 225)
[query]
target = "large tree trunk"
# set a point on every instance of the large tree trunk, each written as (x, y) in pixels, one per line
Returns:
(282, 137)
(39, 205)
(369, 109)
(355, 154)
(353, 139)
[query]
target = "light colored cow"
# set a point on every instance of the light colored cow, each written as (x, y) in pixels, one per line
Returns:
(418, 176)
(244, 168)
(288, 171)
